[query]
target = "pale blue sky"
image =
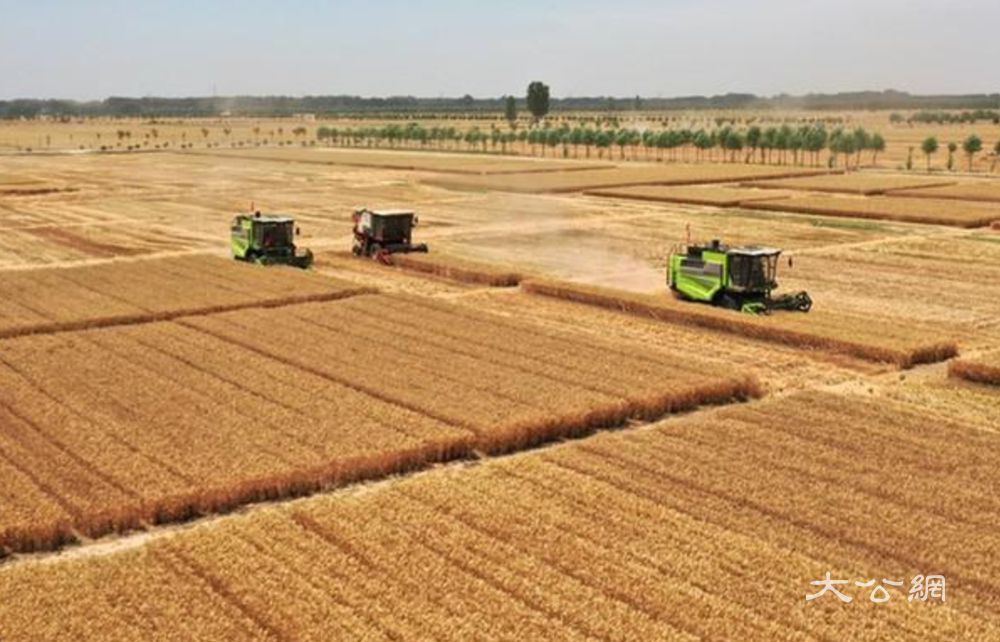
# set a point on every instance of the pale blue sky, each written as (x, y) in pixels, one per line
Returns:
(91, 49)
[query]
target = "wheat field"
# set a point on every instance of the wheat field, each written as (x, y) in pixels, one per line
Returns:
(519, 435)
(699, 528)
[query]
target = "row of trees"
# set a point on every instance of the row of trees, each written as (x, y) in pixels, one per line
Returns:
(970, 146)
(779, 145)
(948, 117)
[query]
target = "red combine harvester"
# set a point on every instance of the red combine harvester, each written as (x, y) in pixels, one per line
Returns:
(381, 233)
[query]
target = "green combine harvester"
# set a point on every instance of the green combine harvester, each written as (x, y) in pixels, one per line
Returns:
(737, 278)
(267, 240)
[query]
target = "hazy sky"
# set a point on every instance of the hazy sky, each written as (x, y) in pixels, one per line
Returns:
(92, 49)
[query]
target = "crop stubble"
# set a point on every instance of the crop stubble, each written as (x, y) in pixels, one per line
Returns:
(891, 208)
(852, 335)
(118, 427)
(708, 526)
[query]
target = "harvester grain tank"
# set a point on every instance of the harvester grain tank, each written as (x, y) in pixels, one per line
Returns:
(267, 240)
(738, 278)
(381, 233)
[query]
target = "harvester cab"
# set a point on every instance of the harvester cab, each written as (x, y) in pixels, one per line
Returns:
(738, 278)
(380, 233)
(267, 240)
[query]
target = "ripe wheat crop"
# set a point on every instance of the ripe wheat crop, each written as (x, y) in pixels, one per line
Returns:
(638, 534)
(708, 195)
(151, 423)
(890, 208)
(984, 369)
(408, 160)
(853, 335)
(457, 269)
(861, 184)
(50, 300)
(967, 191)
(555, 182)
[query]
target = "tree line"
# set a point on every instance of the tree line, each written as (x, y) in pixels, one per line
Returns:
(768, 145)
(948, 117)
(118, 106)
(971, 146)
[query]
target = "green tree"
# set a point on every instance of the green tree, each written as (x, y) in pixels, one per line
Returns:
(538, 99)
(972, 146)
(603, 140)
(510, 111)
(862, 141)
(929, 147)
(952, 148)
(733, 144)
(753, 140)
(702, 141)
(877, 146)
(622, 139)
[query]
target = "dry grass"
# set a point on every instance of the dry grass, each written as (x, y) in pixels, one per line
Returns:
(640, 534)
(118, 427)
(852, 335)
(966, 191)
(708, 195)
(890, 208)
(854, 183)
(457, 269)
(667, 174)
(985, 369)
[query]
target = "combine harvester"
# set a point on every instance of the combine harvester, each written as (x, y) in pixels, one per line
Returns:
(267, 240)
(737, 278)
(381, 233)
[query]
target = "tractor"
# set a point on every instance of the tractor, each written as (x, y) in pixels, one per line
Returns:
(381, 233)
(267, 240)
(737, 278)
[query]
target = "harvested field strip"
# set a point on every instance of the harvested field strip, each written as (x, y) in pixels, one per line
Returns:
(124, 431)
(508, 405)
(970, 191)
(856, 336)
(985, 369)
(51, 300)
(644, 531)
(889, 208)
(458, 270)
(111, 429)
(709, 195)
(427, 161)
(153, 317)
(854, 183)
(558, 182)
